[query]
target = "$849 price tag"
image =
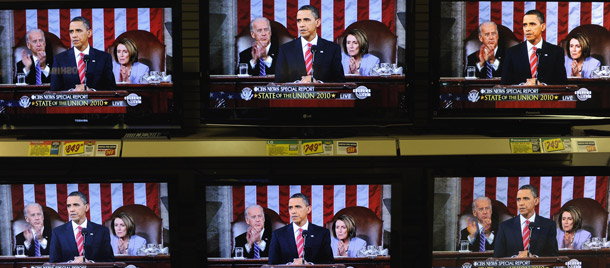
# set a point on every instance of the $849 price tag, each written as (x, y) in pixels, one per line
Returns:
(77, 147)
(552, 145)
(313, 148)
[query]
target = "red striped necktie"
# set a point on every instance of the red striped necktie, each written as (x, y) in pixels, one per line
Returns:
(308, 59)
(534, 63)
(526, 235)
(300, 243)
(80, 241)
(81, 68)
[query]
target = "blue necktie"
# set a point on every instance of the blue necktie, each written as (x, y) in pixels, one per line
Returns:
(261, 66)
(482, 242)
(38, 74)
(488, 68)
(36, 247)
(257, 251)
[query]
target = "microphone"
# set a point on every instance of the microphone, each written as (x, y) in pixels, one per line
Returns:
(531, 227)
(86, 59)
(305, 233)
(538, 53)
(84, 232)
(314, 49)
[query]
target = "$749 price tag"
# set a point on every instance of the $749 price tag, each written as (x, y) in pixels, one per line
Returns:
(552, 145)
(77, 147)
(313, 148)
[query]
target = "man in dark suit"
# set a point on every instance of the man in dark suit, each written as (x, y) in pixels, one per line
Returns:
(35, 238)
(534, 58)
(256, 239)
(35, 66)
(301, 241)
(80, 240)
(487, 60)
(527, 234)
(481, 228)
(297, 61)
(69, 66)
(263, 52)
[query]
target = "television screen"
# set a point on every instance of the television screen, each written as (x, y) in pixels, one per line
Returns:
(487, 66)
(365, 209)
(122, 51)
(142, 207)
(374, 90)
(455, 208)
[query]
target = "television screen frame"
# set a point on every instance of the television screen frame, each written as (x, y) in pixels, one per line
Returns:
(109, 123)
(550, 116)
(264, 116)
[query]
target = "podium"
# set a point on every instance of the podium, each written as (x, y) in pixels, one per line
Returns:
(84, 265)
(303, 265)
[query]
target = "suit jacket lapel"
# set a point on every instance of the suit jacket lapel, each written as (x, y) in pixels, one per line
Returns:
(292, 243)
(70, 234)
(526, 62)
(300, 60)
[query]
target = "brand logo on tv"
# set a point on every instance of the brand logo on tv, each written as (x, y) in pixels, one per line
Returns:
(362, 92)
(133, 99)
(583, 94)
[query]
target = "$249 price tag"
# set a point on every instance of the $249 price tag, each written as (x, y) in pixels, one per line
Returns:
(552, 145)
(77, 147)
(313, 148)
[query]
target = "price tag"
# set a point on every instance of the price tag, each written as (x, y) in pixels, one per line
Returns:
(74, 147)
(586, 146)
(524, 145)
(347, 148)
(314, 147)
(282, 148)
(557, 145)
(44, 148)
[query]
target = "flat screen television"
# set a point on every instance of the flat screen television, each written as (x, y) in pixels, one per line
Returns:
(370, 205)
(144, 201)
(466, 88)
(380, 99)
(144, 95)
(454, 195)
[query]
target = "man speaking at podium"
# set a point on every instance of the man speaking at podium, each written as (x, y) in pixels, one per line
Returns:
(538, 234)
(534, 58)
(79, 240)
(82, 67)
(309, 54)
(301, 241)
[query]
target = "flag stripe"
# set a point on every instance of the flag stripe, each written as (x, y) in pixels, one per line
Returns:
(326, 200)
(102, 197)
(554, 192)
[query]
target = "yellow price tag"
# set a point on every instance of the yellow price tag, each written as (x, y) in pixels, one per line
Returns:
(552, 145)
(314, 147)
(76, 147)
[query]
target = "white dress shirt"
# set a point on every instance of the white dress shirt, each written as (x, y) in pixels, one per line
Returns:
(304, 43)
(77, 53)
(75, 227)
(531, 219)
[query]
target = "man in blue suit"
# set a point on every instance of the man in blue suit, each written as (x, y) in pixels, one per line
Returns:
(538, 234)
(534, 57)
(301, 241)
(296, 60)
(80, 240)
(69, 66)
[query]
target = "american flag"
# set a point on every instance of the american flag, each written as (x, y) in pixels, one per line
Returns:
(326, 200)
(106, 23)
(104, 198)
(554, 191)
(335, 15)
(560, 17)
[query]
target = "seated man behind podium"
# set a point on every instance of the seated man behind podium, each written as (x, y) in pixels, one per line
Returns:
(480, 231)
(36, 237)
(534, 58)
(487, 60)
(68, 70)
(256, 239)
(297, 62)
(35, 66)
(80, 240)
(261, 57)
(528, 234)
(301, 241)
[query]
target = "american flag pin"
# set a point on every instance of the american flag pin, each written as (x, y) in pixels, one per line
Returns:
(321, 51)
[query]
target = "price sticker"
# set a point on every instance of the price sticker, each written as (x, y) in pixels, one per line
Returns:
(553, 145)
(315, 147)
(76, 147)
